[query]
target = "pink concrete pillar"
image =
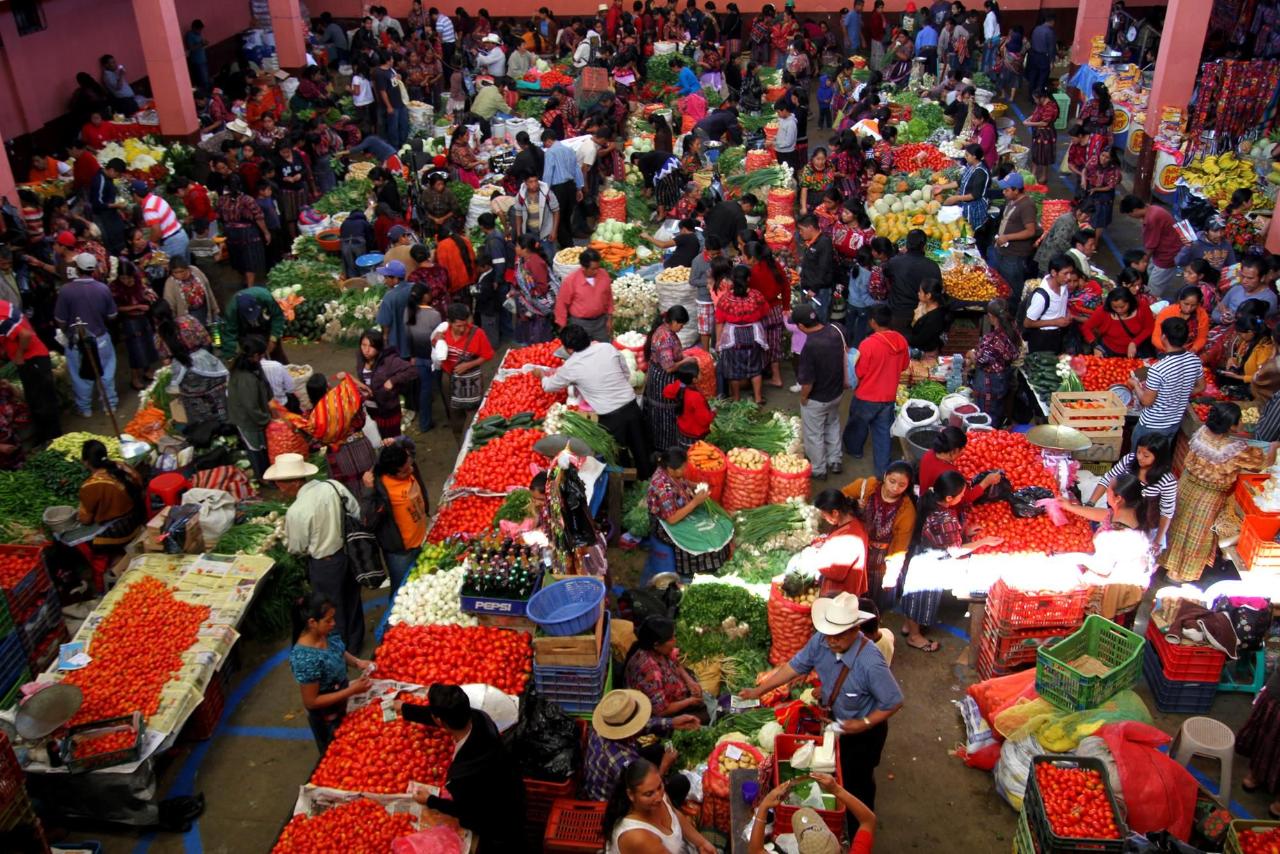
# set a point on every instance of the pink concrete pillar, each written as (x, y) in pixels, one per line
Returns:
(1091, 20)
(1273, 233)
(161, 35)
(1185, 25)
(8, 187)
(290, 30)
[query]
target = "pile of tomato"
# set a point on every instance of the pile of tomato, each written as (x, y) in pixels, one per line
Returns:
(380, 757)
(1021, 463)
(1075, 802)
(1100, 374)
(136, 650)
(518, 393)
(17, 565)
(914, 156)
(456, 655)
(357, 827)
(1264, 840)
(501, 465)
(535, 354)
(464, 516)
(107, 742)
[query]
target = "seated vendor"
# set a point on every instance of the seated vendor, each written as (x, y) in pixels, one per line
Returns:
(947, 447)
(1244, 350)
(671, 498)
(319, 662)
(623, 729)
(112, 498)
(652, 668)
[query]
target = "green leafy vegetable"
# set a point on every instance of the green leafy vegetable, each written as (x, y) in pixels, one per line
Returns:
(352, 194)
(282, 591)
(700, 632)
(742, 424)
(515, 508)
(635, 509)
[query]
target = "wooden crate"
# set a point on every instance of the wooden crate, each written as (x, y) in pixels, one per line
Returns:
(1105, 420)
(571, 650)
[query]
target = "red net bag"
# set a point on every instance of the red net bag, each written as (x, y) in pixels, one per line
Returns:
(745, 487)
(783, 483)
(781, 203)
(642, 364)
(790, 625)
(707, 464)
(715, 780)
(715, 810)
(1051, 209)
(773, 93)
(283, 439)
(613, 206)
(759, 158)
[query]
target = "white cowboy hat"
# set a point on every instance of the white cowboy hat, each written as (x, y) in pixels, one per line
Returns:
(492, 38)
(289, 467)
(621, 714)
(239, 126)
(837, 615)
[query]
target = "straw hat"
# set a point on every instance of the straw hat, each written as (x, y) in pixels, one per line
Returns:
(289, 467)
(239, 127)
(812, 834)
(621, 714)
(838, 615)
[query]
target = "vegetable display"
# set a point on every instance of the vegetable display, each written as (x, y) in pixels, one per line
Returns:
(742, 424)
(635, 509)
(501, 465)
(928, 390)
(1075, 802)
(375, 756)
(70, 444)
(562, 421)
(456, 655)
(701, 633)
(535, 354)
(518, 393)
(515, 508)
(358, 827)
(431, 599)
(1099, 374)
(464, 516)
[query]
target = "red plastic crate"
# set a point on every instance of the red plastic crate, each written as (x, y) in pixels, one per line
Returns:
(574, 827)
(13, 784)
(204, 720)
(1009, 609)
(26, 598)
(1186, 663)
(1257, 546)
(46, 653)
(1009, 649)
(1247, 485)
(540, 794)
(783, 747)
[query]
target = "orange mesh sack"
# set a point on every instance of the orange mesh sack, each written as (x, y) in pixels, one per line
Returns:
(759, 158)
(613, 207)
(784, 481)
(746, 481)
(780, 203)
(706, 380)
(283, 439)
(1051, 209)
(790, 626)
(707, 464)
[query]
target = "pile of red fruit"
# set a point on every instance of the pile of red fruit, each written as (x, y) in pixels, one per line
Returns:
(1099, 374)
(456, 655)
(535, 354)
(464, 516)
(1264, 840)
(382, 757)
(1021, 463)
(359, 827)
(1075, 802)
(518, 393)
(136, 650)
(16, 564)
(107, 742)
(501, 465)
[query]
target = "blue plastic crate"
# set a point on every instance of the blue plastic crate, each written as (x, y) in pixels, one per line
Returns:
(13, 660)
(46, 619)
(1173, 695)
(581, 705)
(577, 689)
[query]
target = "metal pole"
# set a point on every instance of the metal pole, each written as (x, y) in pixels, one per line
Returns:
(95, 363)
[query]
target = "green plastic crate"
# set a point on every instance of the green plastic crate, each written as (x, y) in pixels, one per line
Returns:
(1022, 841)
(1117, 648)
(1064, 107)
(10, 698)
(1231, 845)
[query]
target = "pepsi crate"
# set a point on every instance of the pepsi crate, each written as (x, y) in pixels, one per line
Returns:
(500, 607)
(44, 621)
(1176, 696)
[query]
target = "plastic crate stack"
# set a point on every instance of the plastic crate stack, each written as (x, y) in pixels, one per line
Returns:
(1183, 677)
(577, 690)
(574, 827)
(19, 826)
(34, 612)
(539, 795)
(1035, 833)
(1017, 623)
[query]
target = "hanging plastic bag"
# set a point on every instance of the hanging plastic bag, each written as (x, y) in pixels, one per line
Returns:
(435, 840)
(217, 512)
(546, 740)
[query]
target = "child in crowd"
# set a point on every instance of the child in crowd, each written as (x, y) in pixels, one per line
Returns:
(490, 292)
(271, 216)
(1077, 152)
(825, 94)
(693, 415)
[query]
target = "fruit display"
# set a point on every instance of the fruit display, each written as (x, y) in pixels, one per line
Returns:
(973, 282)
(518, 393)
(1261, 840)
(1075, 802)
(543, 355)
(895, 213)
(500, 568)
(430, 600)
(915, 156)
(456, 655)
(357, 827)
(16, 566)
(1216, 177)
(570, 255)
(1099, 374)
(85, 746)
(380, 757)
(463, 517)
(136, 650)
(501, 465)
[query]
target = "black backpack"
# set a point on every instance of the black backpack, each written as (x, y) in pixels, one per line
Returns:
(252, 316)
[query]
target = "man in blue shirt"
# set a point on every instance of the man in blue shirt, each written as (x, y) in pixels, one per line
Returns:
(1044, 47)
(391, 311)
(561, 172)
(853, 27)
(858, 691)
(686, 81)
(927, 44)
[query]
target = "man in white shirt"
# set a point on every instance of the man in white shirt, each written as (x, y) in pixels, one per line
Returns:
(584, 149)
(990, 36)
(784, 144)
(382, 22)
(313, 527)
(600, 374)
(491, 59)
(444, 29)
(1046, 319)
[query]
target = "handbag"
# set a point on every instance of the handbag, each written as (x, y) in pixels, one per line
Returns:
(364, 556)
(465, 391)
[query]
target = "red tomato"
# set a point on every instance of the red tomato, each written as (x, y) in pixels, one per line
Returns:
(456, 655)
(1075, 802)
(501, 464)
(518, 393)
(358, 827)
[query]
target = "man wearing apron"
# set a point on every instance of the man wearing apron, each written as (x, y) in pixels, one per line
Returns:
(858, 693)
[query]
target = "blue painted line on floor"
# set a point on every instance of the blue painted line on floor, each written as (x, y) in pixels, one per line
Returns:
(1017, 112)
(273, 733)
(954, 631)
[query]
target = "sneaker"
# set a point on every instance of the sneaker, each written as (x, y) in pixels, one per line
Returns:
(795, 388)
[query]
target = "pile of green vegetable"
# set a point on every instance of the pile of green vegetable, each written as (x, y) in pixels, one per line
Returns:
(70, 444)
(1041, 370)
(694, 746)
(731, 160)
(515, 508)
(493, 427)
(246, 538)
(757, 179)
(928, 390)
(598, 439)
(24, 497)
(743, 424)
(756, 567)
(925, 121)
(720, 620)
(658, 70)
(60, 475)
(635, 509)
(761, 524)
(351, 195)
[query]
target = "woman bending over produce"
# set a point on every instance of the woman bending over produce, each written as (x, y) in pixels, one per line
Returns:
(319, 662)
(652, 669)
(940, 525)
(1151, 462)
(670, 499)
(888, 512)
(112, 499)
(947, 447)
(840, 557)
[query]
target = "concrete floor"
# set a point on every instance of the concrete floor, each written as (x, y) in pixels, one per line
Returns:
(928, 800)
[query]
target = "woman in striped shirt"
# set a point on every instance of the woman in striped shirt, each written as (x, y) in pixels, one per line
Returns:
(1151, 462)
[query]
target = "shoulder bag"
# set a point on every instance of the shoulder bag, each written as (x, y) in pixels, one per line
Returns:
(465, 391)
(364, 557)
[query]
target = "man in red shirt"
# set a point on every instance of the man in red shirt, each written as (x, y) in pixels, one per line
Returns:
(84, 167)
(195, 198)
(882, 359)
(1162, 240)
(29, 355)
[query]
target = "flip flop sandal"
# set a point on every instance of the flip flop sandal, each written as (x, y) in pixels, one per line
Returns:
(934, 646)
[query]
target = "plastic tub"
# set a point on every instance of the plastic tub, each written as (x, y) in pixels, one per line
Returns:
(567, 607)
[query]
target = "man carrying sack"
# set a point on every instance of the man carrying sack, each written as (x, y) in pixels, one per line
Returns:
(858, 694)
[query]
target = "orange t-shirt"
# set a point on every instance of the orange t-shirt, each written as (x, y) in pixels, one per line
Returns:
(407, 508)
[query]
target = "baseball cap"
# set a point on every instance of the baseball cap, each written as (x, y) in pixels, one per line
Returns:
(397, 231)
(804, 315)
(492, 38)
(66, 238)
(392, 268)
(86, 262)
(1215, 223)
(812, 834)
(138, 187)
(1012, 181)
